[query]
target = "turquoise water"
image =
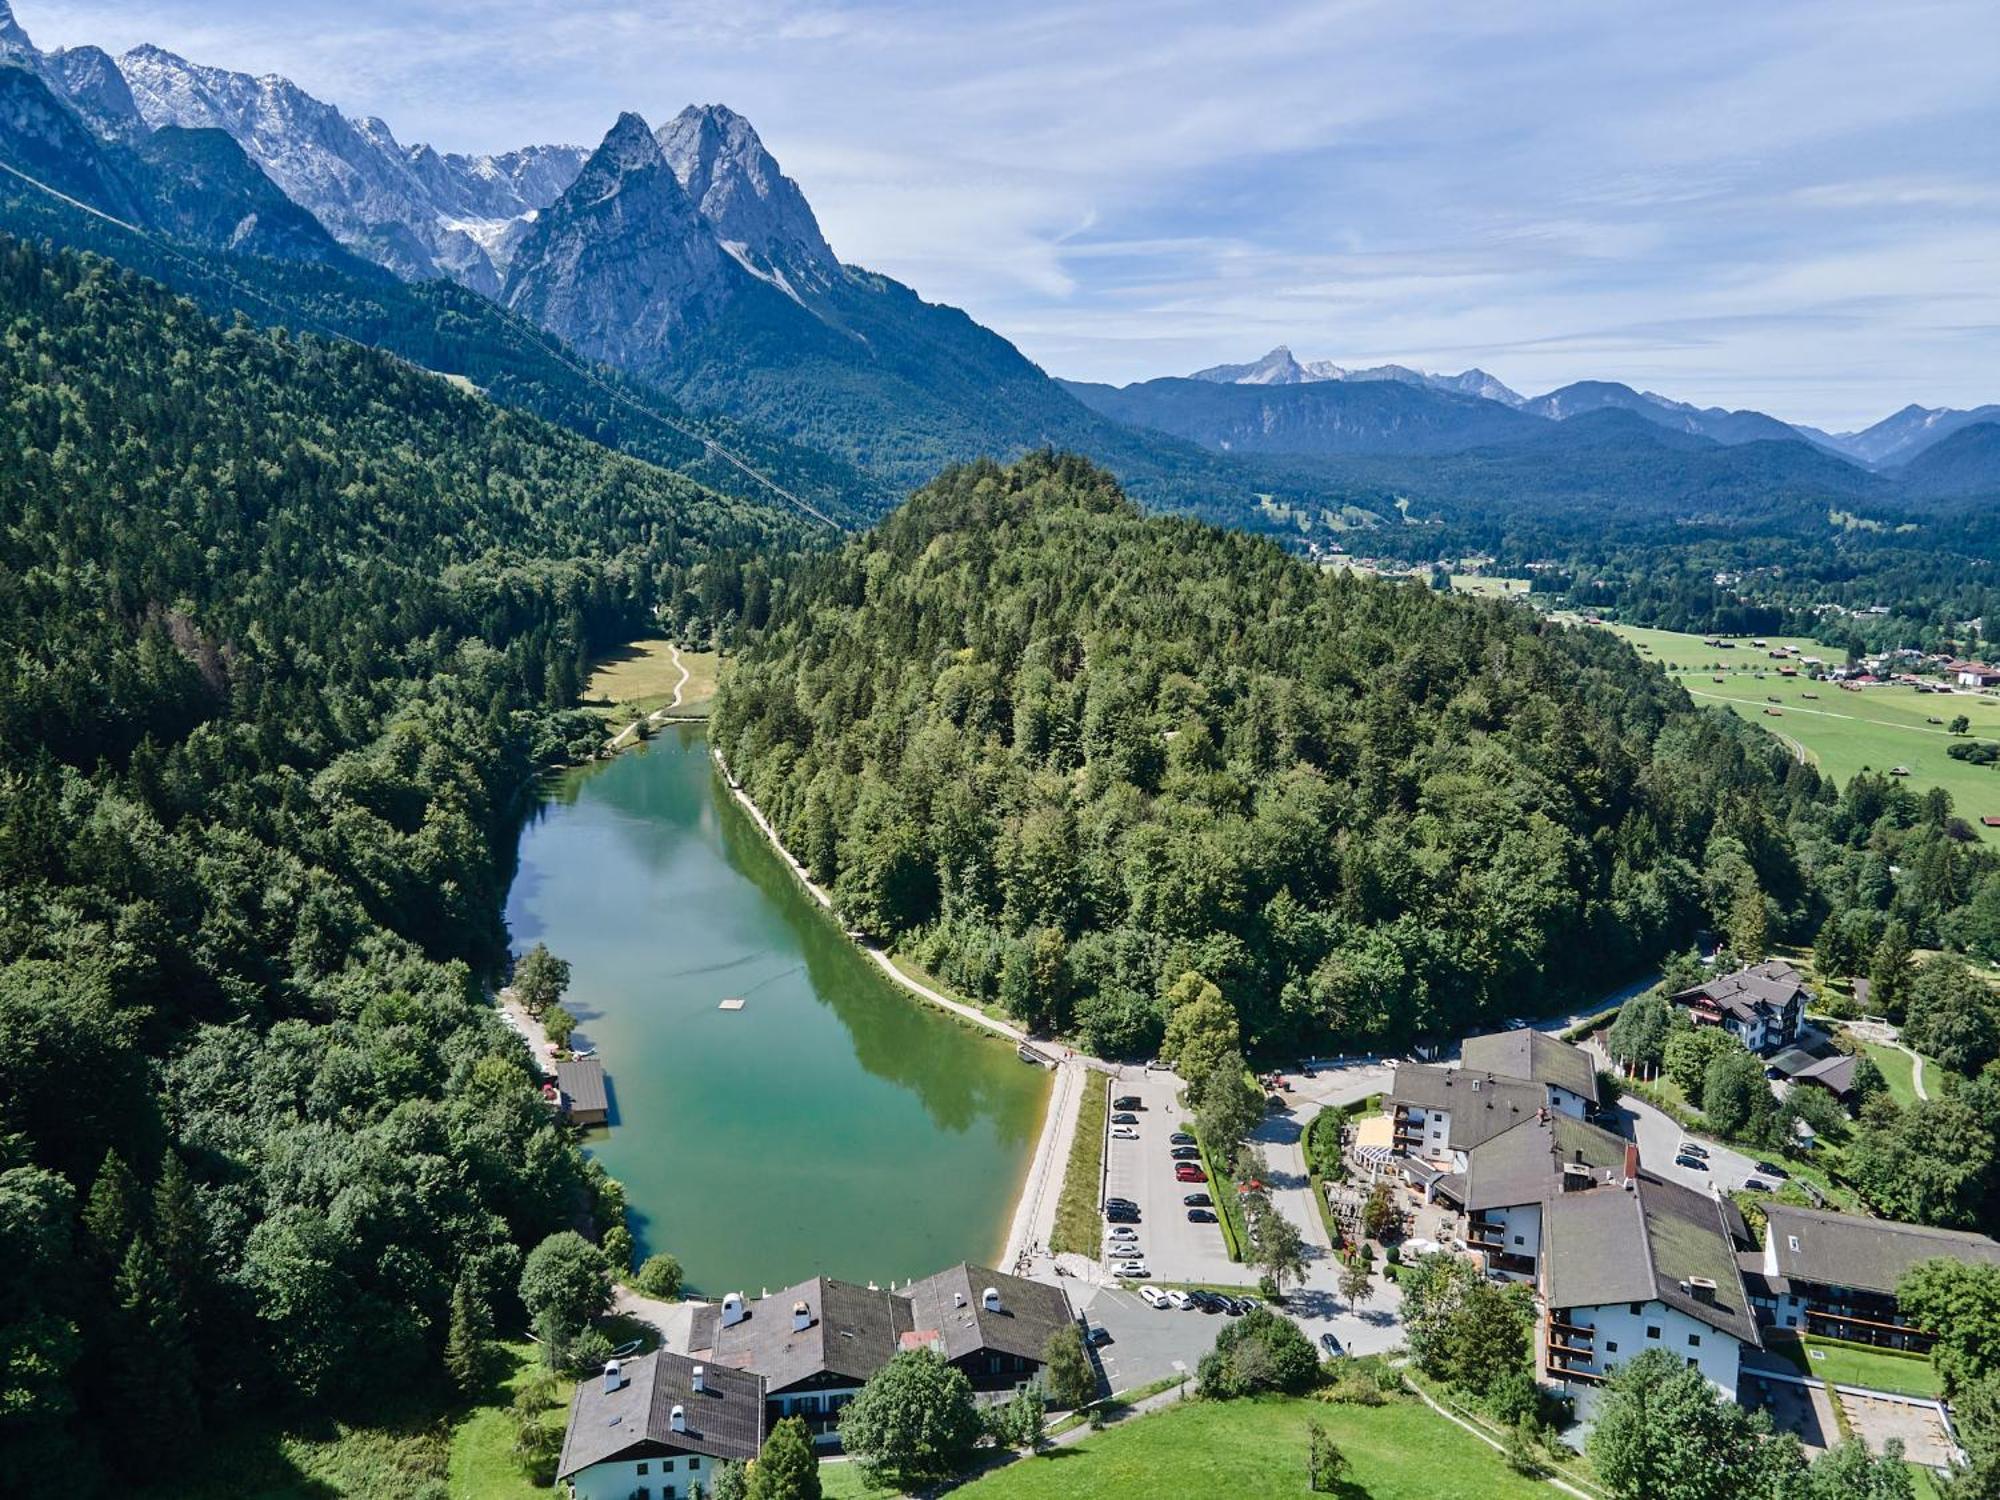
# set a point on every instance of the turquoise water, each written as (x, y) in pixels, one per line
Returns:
(833, 1125)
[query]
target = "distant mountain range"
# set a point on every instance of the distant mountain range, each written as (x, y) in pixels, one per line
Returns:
(684, 257)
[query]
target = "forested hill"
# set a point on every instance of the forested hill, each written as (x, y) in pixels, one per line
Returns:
(1065, 753)
(282, 628)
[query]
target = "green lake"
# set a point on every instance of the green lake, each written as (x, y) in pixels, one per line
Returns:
(832, 1125)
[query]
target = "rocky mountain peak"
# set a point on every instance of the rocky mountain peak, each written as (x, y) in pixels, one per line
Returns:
(757, 212)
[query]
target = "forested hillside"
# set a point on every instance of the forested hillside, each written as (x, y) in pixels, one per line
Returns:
(287, 626)
(1065, 753)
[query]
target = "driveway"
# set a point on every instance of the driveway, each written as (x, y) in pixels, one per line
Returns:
(1143, 1170)
(1659, 1138)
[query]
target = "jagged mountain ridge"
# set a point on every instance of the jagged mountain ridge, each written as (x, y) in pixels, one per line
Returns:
(1282, 367)
(409, 209)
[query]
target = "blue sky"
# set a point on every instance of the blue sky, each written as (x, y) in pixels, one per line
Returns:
(1790, 206)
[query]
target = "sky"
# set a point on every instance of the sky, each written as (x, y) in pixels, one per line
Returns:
(1792, 205)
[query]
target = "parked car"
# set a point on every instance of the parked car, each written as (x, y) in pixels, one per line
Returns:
(1124, 1232)
(1201, 1216)
(1122, 1215)
(1772, 1169)
(1128, 1101)
(1180, 1138)
(1186, 1153)
(1152, 1296)
(1331, 1346)
(1131, 1270)
(1124, 1119)
(1187, 1171)
(1119, 1203)
(1208, 1302)
(1693, 1148)
(1756, 1185)
(1692, 1163)
(1096, 1334)
(1124, 1133)
(1177, 1300)
(1198, 1200)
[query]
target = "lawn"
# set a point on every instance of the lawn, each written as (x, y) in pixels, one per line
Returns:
(1843, 732)
(640, 678)
(1841, 1363)
(482, 1443)
(1485, 586)
(1078, 1229)
(1249, 1450)
(1898, 1071)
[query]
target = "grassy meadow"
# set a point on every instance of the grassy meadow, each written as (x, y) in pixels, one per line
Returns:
(1842, 732)
(639, 678)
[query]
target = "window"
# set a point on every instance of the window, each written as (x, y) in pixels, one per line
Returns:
(694, 1466)
(1694, 1341)
(667, 1467)
(1519, 1241)
(643, 1468)
(1611, 1346)
(1691, 1362)
(1652, 1330)
(642, 1493)
(1635, 1308)
(1791, 1321)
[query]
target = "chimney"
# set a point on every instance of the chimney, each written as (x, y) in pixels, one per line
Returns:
(1576, 1178)
(1631, 1163)
(695, 1378)
(614, 1376)
(679, 1420)
(802, 1316)
(958, 1299)
(732, 1310)
(990, 1299)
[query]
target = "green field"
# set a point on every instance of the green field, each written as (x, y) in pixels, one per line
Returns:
(641, 677)
(1875, 728)
(1489, 587)
(1250, 1450)
(1898, 1071)
(1841, 1363)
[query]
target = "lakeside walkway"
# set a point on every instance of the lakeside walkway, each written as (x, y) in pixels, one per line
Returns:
(629, 735)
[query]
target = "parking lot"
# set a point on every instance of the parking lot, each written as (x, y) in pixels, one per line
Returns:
(1143, 1170)
(1145, 1341)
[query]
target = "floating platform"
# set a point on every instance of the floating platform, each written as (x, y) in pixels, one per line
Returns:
(730, 1005)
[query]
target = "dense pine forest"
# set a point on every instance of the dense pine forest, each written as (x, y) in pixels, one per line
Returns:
(1064, 753)
(288, 626)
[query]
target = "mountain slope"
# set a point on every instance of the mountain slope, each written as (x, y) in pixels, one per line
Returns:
(1709, 422)
(1318, 417)
(288, 625)
(1280, 367)
(1901, 436)
(754, 209)
(1964, 464)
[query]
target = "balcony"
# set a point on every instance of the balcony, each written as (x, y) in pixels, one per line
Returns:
(1485, 1234)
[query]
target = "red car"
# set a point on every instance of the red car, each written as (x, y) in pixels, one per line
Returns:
(1187, 1171)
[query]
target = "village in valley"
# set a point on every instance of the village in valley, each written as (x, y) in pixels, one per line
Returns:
(1558, 1166)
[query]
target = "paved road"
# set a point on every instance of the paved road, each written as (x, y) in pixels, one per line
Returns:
(1145, 1341)
(1143, 1171)
(1281, 1139)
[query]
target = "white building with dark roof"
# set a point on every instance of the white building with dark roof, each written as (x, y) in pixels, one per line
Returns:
(1638, 1264)
(1837, 1274)
(1509, 1179)
(655, 1427)
(1440, 1114)
(1761, 1006)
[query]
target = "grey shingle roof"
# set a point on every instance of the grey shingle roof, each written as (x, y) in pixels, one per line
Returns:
(1869, 1255)
(952, 1304)
(725, 1419)
(1648, 1243)
(1535, 1056)
(1481, 1104)
(852, 1331)
(1764, 988)
(581, 1080)
(1524, 1164)
(1835, 1073)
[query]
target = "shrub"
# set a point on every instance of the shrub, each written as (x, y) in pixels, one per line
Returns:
(660, 1276)
(1259, 1352)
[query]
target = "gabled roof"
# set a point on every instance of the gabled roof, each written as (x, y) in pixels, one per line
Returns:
(1651, 1242)
(725, 1419)
(1834, 1073)
(952, 1303)
(1535, 1056)
(1481, 1105)
(582, 1081)
(1759, 990)
(1852, 1250)
(851, 1331)
(1525, 1164)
